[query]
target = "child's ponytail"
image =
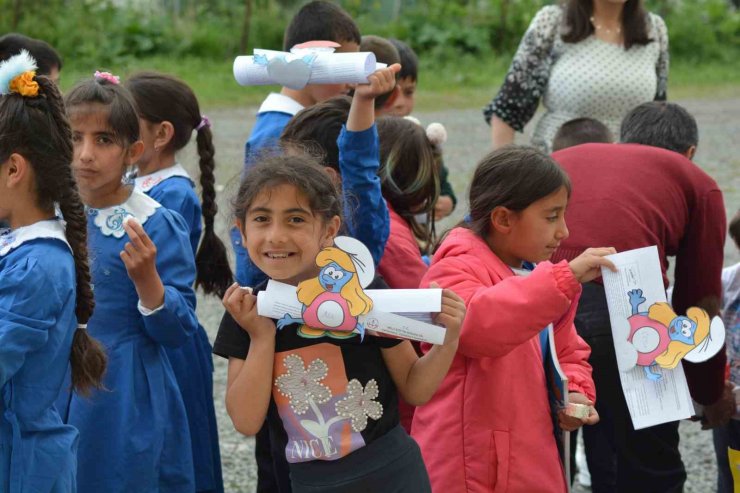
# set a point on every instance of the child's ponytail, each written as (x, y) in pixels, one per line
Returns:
(161, 97)
(87, 359)
(212, 263)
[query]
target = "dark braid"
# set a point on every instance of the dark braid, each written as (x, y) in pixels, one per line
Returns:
(160, 98)
(50, 153)
(214, 273)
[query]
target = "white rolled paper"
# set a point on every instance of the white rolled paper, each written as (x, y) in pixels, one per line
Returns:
(415, 324)
(293, 72)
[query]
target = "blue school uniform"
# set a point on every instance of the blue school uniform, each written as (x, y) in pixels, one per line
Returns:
(134, 437)
(192, 363)
(272, 117)
(274, 114)
(174, 189)
(37, 324)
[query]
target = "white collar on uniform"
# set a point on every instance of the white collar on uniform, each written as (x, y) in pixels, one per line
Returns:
(280, 102)
(10, 239)
(110, 219)
(147, 182)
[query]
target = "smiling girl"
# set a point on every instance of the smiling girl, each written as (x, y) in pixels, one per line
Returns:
(330, 398)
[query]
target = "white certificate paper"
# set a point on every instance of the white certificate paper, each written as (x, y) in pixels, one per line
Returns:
(649, 402)
(415, 305)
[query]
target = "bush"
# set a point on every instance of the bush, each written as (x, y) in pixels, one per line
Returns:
(104, 33)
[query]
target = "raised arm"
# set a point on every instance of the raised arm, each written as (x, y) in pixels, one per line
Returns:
(163, 270)
(366, 213)
(503, 316)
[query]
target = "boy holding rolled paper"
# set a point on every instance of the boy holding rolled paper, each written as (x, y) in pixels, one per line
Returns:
(316, 21)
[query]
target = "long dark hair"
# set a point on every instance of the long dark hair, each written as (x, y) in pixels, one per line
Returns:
(37, 128)
(409, 173)
(513, 177)
(161, 97)
(578, 22)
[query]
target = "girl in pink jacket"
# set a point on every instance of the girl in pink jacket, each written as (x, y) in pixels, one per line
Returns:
(489, 426)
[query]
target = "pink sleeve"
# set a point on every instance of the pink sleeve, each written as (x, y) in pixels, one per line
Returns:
(401, 265)
(503, 316)
(573, 353)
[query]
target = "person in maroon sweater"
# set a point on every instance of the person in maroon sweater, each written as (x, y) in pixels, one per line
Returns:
(631, 196)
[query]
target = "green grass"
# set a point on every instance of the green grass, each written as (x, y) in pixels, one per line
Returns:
(468, 83)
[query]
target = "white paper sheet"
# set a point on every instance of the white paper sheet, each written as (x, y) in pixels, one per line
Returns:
(279, 299)
(326, 68)
(650, 402)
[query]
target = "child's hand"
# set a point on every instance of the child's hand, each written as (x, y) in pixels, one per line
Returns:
(587, 266)
(443, 207)
(451, 316)
(570, 423)
(139, 256)
(242, 305)
(379, 82)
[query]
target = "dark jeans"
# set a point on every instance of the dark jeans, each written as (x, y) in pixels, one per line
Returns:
(724, 437)
(620, 458)
(273, 473)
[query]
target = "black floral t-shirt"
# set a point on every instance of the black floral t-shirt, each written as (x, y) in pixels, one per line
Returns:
(331, 394)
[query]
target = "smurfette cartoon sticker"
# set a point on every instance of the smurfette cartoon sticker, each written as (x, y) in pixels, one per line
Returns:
(662, 338)
(335, 299)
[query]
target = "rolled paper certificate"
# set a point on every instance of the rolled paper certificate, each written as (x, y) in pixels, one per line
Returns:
(295, 70)
(279, 299)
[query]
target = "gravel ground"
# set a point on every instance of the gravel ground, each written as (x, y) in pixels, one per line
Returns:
(719, 155)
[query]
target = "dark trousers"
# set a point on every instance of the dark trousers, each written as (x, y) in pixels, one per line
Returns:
(273, 473)
(727, 436)
(620, 458)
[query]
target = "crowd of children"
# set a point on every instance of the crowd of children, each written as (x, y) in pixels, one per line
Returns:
(106, 373)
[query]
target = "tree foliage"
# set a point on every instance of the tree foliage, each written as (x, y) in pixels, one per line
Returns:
(107, 32)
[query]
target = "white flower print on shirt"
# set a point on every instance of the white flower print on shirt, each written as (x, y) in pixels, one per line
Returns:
(302, 385)
(321, 410)
(360, 404)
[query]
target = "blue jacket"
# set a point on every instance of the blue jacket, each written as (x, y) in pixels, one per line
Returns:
(37, 325)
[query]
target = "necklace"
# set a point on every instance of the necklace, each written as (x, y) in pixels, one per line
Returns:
(606, 30)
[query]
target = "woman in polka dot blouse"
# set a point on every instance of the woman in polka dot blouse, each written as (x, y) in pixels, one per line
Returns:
(588, 58)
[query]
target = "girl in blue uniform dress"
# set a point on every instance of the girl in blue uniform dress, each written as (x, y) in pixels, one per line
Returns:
(44, 285)
(168, 114)
(135, 436)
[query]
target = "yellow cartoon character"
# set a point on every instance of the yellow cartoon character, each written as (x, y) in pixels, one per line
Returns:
(663, 338)
(333, 301)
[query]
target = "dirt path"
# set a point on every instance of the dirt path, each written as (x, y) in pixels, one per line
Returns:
(719, 155)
